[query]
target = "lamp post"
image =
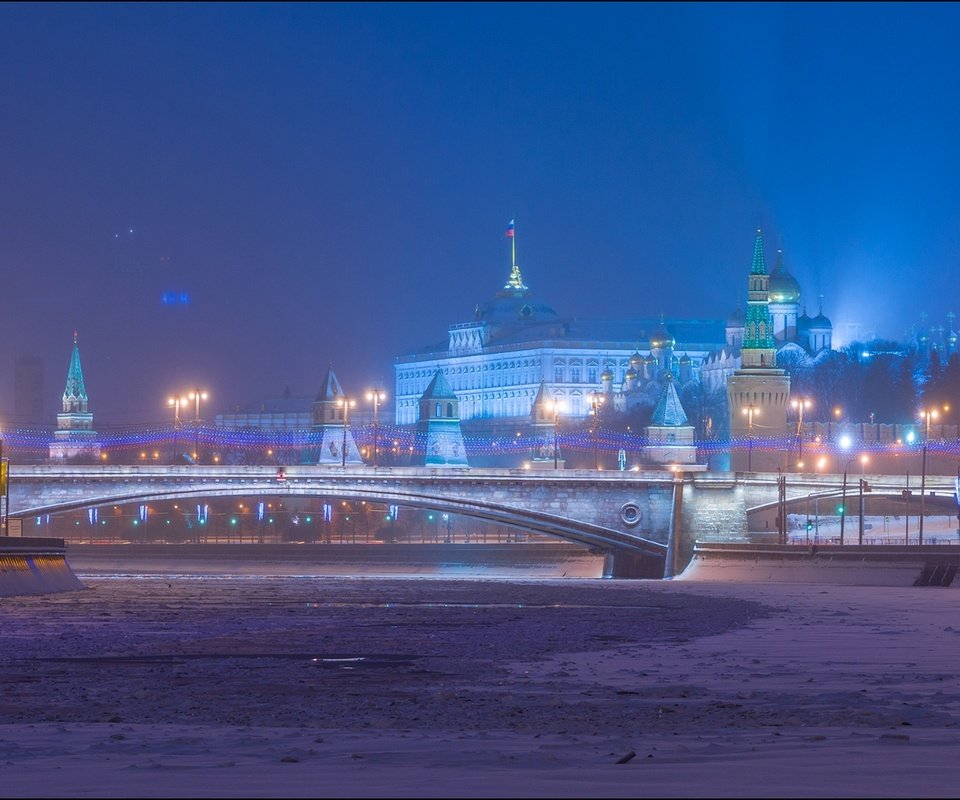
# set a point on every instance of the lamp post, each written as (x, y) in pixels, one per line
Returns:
(554, 405)
(196, 395)
(843, 497)
(864, 487)
(820, 464)
(926, 415)
(800, 404)
(346, 403)
(596, 400)
(749, 412)
(906, 514)
(176, 403)
(377, 396)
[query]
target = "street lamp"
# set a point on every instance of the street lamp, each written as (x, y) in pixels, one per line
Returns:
(346, 403)
(926, 415)
(175, 403)
(196, 395)
(596, 400)
(554, 405)
(843, 493)
(800, 404)
(377, 396)
(821, 463)
(749, 412)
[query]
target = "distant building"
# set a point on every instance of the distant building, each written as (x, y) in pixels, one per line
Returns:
(284, 413)
(926, 339)
(28, 391)
(75, 437)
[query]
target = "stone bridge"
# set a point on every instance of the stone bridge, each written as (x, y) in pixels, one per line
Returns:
(631, 516)
(646, 522)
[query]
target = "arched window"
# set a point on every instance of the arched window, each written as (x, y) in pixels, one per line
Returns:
(439, 410)
(449, 409)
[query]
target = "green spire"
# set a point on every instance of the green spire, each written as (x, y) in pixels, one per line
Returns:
(758, 267)
(75, 389)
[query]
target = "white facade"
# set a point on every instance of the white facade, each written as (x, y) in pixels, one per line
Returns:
(496, 363)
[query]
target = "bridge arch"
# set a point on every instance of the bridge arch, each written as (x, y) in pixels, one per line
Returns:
(638, 541)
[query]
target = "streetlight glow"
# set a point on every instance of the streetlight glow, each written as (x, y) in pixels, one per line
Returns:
(196, 395)
(799, 404)
(377, 396)
(346, 403)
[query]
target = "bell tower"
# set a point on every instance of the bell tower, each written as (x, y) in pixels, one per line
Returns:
(758, 392)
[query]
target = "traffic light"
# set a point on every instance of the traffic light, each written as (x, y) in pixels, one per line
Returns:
(809, 525)
(840, 510)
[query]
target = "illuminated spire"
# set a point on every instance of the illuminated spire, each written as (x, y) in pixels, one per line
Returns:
(758, 348)
(75, 393)
(515, 281)
(758, 267)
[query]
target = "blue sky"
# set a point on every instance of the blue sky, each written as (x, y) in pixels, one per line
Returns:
(330, 183)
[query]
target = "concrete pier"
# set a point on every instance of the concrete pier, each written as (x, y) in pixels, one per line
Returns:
(850, 565)
(35, 566)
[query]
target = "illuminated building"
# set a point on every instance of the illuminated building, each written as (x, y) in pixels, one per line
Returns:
(495, 363)
(438, 427)
(757, 392)
(797, 339)
(331, 424)
(74, 437)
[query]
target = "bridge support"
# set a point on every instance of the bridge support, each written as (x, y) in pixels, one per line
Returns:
(631, 565)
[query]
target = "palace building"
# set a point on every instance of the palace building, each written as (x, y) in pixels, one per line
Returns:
(495, 363)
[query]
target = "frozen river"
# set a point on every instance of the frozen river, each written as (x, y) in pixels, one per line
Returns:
(173, 685)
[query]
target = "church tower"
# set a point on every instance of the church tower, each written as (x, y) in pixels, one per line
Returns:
(439, 437)
(784, 307)
(758, 392)
(74, 436)
(670, 437)
(331, 423)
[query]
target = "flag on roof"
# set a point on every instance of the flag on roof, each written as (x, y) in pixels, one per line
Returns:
(509, 233)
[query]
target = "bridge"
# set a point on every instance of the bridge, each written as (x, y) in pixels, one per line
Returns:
(629, 516)
(646, 522)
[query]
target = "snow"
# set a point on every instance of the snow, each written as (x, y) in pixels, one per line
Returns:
(238, 686)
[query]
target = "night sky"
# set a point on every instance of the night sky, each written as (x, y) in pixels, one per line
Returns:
(330, 184)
